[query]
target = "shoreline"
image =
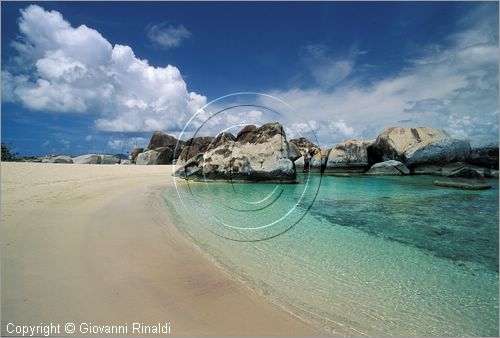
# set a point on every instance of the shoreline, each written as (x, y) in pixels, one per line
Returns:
(98, 247)
(316, 321)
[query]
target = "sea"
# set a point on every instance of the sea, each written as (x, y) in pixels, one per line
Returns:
(358, 255)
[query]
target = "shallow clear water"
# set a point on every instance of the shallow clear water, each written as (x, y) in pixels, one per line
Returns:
(356, 255)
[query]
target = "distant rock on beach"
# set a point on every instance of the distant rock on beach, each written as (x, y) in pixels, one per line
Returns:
(162, 149)
(264, 154)
(255, 154)
(96, 159)
(58, 159)
(87, 159)
(349, 156)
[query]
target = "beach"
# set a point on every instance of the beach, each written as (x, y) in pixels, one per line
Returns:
(94, 244)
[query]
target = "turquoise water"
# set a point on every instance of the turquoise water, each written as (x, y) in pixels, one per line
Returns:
(356, 255)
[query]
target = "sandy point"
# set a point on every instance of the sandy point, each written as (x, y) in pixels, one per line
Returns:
(94, 244)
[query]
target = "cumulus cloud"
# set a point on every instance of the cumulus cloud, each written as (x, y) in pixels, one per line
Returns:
(116, 144)
(453, 86)
(167, 36)
(325, 70)
(324, 133)
(76, 70)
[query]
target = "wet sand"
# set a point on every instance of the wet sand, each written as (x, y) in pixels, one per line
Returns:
(93, 244)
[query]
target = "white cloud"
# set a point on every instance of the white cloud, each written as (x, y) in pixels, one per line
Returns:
(126, 143)
(76, 70)
(46, 143)
(324, 133)
(452, 86)
(324, 69)
(167, 36)
(88, 138)
(116, 144)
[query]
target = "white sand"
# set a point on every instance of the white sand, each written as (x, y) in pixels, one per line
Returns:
(93, 244)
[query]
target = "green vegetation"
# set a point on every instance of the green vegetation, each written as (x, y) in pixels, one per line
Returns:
(7, 155)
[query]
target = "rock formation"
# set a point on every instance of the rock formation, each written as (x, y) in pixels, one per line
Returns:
(58, 159)
(308, 150)
(348, 157)
(148, 157)
(135, 151)
(87, 159)
(416, 146)
(318, 161)
(390, 167)
(484, 153)
(109, 159)
(255, 154)
(194, 147)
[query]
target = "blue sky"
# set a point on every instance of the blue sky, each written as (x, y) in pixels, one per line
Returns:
(86, 76)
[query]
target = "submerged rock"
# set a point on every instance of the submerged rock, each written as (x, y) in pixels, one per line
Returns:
(255, 154)
(462, 184)
(465, 173)
(349, 157)
(390, 167)
(415, 146)
(453, 168)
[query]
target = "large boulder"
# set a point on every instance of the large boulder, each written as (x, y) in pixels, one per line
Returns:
(148, 157)
(295, 153)
(308, 150)
(300, 163)
(109, 159)
(87, 159)
(484, 153)
(305, 146)
(318, 161)
(390, 167)
(159, 140)
(165, 155)
(255, 154)
(61, 159)
(349, 157)
(416, 146)
(135, 152)
(194, 147)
